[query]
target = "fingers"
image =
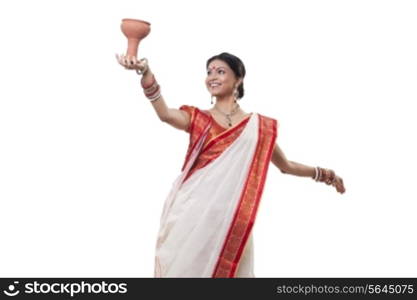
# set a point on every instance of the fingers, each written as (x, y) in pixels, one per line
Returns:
(342, 187)
(119, 59)
(332, 179)
(122, 60)
(128, 62)
(339, 185)
(131, 62)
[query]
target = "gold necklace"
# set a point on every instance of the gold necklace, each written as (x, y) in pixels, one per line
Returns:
(229, 115)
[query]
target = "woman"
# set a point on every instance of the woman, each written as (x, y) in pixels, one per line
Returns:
(210, 211)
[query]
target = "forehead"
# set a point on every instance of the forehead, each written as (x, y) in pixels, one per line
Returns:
(217, 63)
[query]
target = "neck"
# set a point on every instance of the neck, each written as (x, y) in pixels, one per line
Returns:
(225, 104)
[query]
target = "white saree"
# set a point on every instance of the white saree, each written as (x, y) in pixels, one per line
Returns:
(198, 212)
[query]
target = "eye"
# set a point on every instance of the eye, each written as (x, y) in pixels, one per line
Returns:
(221, 71)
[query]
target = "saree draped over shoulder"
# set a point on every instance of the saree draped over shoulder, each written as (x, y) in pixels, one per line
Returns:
(206, 222)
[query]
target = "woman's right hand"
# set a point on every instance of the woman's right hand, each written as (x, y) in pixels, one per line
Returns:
(131, 63)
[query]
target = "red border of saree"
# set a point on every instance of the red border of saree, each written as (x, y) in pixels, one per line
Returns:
(199, 121)
(216, 146)
(246, 210)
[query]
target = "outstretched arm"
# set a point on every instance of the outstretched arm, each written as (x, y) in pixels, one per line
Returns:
(290, 167)
(174, 117)
(294, 168)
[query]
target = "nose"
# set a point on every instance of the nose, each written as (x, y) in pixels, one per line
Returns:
(211, 78)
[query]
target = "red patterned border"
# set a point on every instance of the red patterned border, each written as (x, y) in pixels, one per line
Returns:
(216, 146)
(199, 122)
(246, 210)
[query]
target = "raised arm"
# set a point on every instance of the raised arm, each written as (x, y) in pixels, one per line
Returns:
(175, 117)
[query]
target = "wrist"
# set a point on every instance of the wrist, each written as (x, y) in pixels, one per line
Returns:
(327, 176)
(144, 66)
(147, 77)
(147, 72)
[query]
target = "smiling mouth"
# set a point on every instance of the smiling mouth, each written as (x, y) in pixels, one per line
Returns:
(214, 85)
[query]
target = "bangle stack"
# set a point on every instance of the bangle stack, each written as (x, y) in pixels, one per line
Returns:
(153, 90)
(325, 175)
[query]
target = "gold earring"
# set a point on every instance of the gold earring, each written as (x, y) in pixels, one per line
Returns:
(235, 95)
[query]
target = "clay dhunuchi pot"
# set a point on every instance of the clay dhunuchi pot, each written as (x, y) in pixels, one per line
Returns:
(135, 30)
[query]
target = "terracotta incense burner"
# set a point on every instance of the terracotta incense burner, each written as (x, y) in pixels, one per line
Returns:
(134, 30)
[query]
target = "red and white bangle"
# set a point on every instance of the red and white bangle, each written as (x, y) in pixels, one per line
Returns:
(153, 90)
(327, 176)
(155, 95)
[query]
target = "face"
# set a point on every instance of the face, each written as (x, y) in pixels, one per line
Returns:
(220, 80)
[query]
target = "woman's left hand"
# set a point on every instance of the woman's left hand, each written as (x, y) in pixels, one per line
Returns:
(338, 184)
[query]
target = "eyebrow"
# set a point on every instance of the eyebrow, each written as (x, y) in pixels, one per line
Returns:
(208, 69)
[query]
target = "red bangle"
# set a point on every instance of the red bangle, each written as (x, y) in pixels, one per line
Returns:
(148, 86)
(151, 89)
(151, 94)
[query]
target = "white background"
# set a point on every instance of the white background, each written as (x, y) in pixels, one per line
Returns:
(85, 164)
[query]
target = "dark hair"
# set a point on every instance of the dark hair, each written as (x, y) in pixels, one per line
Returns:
(235, 64)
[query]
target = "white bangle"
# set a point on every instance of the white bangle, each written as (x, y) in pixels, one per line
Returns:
(139, 72)
(155, 98)
(316, 177)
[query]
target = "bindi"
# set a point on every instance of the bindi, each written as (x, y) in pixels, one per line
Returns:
(215, 67)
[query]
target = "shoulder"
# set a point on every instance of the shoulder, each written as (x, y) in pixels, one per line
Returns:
(198, 118)
(268, 120)
(193, 110)
(188, 108)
